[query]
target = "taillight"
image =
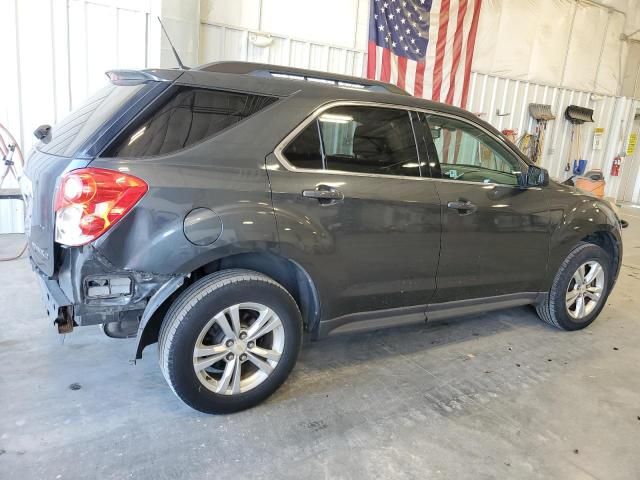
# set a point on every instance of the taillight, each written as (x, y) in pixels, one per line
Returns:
(90, 200)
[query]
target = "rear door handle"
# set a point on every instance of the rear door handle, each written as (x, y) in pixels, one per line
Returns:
(463, 207)
(325, 194)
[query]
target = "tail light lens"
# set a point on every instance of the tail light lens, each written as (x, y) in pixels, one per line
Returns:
(91, 200)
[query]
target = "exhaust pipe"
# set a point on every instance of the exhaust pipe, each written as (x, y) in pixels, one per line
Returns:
(64, 322)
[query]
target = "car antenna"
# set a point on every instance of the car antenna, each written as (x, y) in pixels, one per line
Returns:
(175, 53)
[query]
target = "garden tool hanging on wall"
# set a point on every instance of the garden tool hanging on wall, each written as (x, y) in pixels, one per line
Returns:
(532, 145)
(577, 116)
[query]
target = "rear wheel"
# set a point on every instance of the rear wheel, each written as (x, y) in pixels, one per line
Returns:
(580, 288)
(229, 341)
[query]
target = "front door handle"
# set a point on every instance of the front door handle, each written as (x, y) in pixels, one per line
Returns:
(464, 207)
(325, 194)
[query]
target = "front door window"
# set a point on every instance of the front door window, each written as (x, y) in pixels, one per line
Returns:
(469, 154)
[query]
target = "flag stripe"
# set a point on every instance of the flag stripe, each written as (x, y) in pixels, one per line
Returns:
(385, 74)
(378, 62)
(471, 42)
(402, 71)
(448, 50)
(446, 142)
(440, 49)
(457, 49)
(456, 151)
(430, 58)
(371, 66)
(419, 79)
(394, 69)
(461, 69)
(410, 79)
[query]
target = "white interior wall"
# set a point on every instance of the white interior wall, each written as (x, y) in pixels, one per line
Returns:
(182, 21)
(631, 80)
(342, 23)
(335, 41)
(567, 43)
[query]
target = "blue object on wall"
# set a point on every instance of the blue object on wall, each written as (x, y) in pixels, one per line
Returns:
(579, 166)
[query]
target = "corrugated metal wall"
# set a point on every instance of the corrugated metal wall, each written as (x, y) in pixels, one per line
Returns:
(223, 42)
(504, 103)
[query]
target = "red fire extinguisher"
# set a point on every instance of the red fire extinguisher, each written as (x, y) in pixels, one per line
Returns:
(615, 166)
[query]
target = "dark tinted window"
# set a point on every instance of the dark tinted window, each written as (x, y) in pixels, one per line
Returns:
(68, 135)
(304, 151)
(187, 117)
(358, 139)
(369, 140)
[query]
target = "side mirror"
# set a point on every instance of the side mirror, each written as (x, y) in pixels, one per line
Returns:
(536, 177)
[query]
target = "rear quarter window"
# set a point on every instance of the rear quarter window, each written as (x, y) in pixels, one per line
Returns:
(187, 116)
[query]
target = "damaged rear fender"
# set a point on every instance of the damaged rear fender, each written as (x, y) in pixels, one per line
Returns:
(148, 330)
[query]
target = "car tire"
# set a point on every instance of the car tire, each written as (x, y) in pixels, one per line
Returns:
(568, 304)
(208, 320)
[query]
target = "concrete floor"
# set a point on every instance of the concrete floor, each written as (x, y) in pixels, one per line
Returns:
(499, 395)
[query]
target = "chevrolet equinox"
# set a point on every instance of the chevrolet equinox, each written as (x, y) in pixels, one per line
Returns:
(221, 211)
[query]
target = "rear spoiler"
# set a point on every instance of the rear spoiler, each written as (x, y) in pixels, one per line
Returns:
(134, 77)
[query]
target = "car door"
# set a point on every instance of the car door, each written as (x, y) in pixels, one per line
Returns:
(495, 233)
(354, 212)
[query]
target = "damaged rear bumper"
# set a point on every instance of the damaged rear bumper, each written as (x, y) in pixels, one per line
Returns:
(88, 290)
(57, 305)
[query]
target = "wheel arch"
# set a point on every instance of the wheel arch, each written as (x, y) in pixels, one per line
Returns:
(606, 240)
(565, 240)
(291, 275)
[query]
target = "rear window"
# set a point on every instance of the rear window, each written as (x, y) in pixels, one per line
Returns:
(188, 116)
(73, 131)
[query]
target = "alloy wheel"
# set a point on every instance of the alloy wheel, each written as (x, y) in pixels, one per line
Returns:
(585, 290)
(238, 348)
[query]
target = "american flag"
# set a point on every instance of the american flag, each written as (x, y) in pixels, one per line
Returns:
(424, 46)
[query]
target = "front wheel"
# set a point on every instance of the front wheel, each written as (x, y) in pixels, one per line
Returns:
(229, 341)
(579, 290)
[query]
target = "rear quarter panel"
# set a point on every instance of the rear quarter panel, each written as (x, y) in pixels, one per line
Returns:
(151, 237)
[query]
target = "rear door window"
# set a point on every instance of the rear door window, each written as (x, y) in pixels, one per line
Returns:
(188, 116)
(358, 139)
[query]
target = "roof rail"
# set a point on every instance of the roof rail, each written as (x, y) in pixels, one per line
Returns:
(292, 73)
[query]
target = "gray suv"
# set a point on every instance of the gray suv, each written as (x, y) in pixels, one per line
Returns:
(222, 211)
